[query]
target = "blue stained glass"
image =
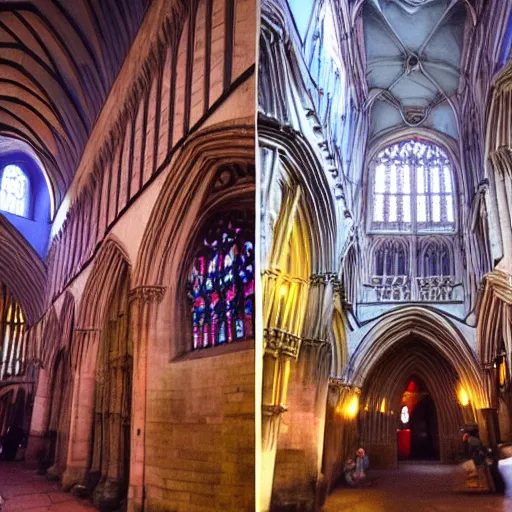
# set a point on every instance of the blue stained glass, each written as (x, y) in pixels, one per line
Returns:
(222, 333)
(239, 328)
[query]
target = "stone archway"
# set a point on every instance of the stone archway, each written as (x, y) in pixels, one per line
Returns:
(101, 399)
(382, 400)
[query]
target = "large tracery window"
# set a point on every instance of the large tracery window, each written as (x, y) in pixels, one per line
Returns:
(412, 189)
(221, 285)
(14, 191)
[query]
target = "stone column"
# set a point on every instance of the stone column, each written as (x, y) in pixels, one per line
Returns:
(37, 442)
(504, 216)
(281, 349)
(144, 302)
(341, 429)
(82, 408)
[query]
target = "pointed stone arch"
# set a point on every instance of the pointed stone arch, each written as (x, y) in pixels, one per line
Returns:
(428, 325)
(194, 174)
(110, 270)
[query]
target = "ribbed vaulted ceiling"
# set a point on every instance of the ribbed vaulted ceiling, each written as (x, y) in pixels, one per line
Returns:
(413, 52)
(58, 60)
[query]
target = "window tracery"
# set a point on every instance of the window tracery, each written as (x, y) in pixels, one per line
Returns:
(14, 191)
(436, 280)
(391, 271)
(221, 285)
(412, 189)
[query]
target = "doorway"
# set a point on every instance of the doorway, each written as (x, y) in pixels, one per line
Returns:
(418, 433)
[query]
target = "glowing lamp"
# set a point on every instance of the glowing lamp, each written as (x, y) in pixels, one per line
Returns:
(352, 408)
(383, 406)
(463, 397)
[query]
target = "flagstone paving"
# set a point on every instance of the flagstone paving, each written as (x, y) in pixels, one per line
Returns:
(426, 487)
(22, 489)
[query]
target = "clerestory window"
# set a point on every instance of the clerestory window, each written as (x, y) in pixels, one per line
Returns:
(412, 189)
(14, 191)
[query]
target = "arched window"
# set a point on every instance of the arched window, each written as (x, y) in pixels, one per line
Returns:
(390, 278)
(436, 271)
(12, 327)
(437, 260)
(221, 285)
(14, 191)
(412, 189)
(391, 259)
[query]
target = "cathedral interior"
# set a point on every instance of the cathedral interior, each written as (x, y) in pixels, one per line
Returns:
(127, 185)
(241, 239)
(385, 150)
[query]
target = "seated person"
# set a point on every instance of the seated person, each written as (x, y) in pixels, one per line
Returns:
(355, 471)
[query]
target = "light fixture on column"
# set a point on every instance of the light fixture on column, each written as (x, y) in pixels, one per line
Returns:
(502, 370)
(463, 397)
(352, 407)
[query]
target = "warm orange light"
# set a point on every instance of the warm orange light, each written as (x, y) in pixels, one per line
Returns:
(283, 290)
(383, 406)
(463, 397)
(352, 407)
(503, 373)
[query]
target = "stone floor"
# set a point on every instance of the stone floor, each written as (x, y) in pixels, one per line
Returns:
(22, 489)
(421, 487)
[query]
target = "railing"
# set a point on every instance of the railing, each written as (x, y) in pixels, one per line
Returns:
(391, 288)
(425, 289)
(435, 288)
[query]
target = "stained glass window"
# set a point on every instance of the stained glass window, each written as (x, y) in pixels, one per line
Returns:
(14, 191)
(221, 285)
(413, 189)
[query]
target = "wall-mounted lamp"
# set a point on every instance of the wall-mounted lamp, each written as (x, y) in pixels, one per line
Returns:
(463, 397)
(352, 408)
(500, 363)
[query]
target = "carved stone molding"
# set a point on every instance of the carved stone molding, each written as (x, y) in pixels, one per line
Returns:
(325, 278)
(278, 342)
(147, 294)
(271, 272)
(271, 411)
(337, 383)
(315, 343)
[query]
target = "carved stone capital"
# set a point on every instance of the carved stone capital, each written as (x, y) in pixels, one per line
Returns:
(317, 279)
(270, 411)
(278, 342)
(271, 272)
(315, 343)
(337, 383)
(147, 294)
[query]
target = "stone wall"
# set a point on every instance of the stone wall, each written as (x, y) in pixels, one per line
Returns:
(200, 432)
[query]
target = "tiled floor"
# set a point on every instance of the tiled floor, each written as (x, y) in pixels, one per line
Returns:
(22, 489)
(413, 488)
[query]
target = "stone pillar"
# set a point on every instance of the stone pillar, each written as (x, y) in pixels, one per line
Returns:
(504, 216)
(280, 350)
(144, 302)
(37, 446)
(341, 429)
(82, 408)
